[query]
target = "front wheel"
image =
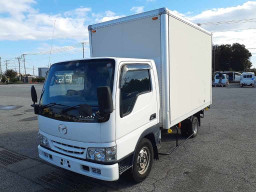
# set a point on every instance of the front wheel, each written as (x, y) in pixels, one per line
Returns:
(142, 161)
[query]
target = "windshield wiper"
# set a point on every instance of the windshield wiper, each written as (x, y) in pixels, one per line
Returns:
(84, 109)
(51, 104)
(70, 108)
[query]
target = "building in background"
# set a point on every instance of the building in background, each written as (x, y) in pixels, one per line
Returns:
(42, 71)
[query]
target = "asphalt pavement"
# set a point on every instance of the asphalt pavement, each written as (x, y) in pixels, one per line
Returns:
(221, 158)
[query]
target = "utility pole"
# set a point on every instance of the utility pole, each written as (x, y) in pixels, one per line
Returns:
(33, 71)
(6, 64)
(214, 48)
(83, 48)
(53, 29)
(1, 73)
(23, 55)
(19, 68)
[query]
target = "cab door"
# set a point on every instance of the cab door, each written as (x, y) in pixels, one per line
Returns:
(137, 108)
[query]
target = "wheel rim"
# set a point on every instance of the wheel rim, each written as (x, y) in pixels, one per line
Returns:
(195, 126)
(143, 160)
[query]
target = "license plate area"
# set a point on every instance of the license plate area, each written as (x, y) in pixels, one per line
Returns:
(65, 163)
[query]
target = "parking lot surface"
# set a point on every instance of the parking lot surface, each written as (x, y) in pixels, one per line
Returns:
(221, 158)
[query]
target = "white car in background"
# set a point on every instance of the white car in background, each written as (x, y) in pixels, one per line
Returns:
(247, 79)
(220, 80)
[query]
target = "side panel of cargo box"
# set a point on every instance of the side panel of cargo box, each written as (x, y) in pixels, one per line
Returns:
(190, 51)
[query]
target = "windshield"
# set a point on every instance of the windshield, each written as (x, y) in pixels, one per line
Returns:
(75, 83)
(247, 76)
(218, 77)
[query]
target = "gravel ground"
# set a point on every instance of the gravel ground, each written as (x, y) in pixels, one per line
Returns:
(221, 158)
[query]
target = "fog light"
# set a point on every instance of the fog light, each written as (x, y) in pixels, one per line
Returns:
(46, 154)
(95, 170)
(86, 168)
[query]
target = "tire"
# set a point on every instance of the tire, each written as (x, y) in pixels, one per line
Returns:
(144, 155)
(193, 129)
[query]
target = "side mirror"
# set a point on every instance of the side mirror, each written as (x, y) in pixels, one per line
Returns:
(105, 100)
(34, 99)
(33, 94)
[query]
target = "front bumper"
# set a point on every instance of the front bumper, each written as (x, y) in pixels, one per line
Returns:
(98, 171)
(219, 84)
(247, 83)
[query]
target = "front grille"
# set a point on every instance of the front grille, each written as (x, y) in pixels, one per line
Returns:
(70, 149)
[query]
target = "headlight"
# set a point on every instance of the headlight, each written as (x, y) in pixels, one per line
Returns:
(107, 154)
(43, 141)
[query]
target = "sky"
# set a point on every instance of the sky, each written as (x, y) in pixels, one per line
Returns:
(47, 31)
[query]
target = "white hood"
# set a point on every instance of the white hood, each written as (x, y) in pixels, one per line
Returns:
(76, 131)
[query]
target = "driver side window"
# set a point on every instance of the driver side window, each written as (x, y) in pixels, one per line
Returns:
(133, 83)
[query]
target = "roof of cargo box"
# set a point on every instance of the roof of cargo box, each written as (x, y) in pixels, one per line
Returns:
(147, 14)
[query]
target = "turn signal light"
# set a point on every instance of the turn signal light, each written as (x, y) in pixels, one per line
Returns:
(154, 18)
(94, 31)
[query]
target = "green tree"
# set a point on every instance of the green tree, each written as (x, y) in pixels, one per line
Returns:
(4, 79)
(252, 70)
(225, 55)
(240, 57)
(231, 58)
(10, 74)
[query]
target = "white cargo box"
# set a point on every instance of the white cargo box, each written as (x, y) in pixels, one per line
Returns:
(181, 50)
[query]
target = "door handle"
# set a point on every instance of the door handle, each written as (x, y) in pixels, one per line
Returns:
(153, 116)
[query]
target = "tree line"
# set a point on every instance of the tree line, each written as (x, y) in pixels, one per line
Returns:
(233, 57)
(11, 76)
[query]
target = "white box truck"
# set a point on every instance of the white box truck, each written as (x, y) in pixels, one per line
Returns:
(147, 72)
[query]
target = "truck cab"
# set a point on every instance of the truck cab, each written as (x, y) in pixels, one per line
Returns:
(78, 133)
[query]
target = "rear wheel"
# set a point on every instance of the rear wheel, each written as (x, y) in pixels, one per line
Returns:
(142, 161)
(194, 126)
(189, 127)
